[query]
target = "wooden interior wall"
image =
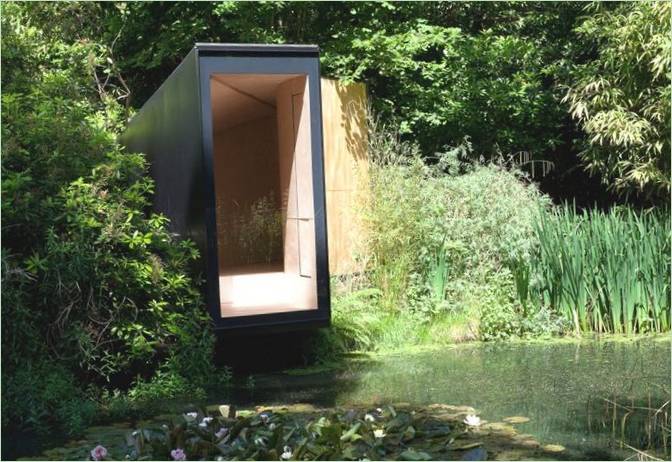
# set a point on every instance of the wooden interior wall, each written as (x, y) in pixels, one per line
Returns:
(345, 165)
(245, 163)
(296, 178)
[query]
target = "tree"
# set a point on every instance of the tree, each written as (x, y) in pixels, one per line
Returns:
(621, 95)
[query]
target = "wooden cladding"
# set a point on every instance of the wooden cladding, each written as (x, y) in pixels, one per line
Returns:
(345, 165)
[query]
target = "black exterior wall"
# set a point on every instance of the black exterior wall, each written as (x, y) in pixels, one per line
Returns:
(174, 130)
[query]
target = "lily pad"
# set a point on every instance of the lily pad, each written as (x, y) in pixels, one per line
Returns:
(516, 419)
(553, 448)
(465, 446)
(475, 454)
(410, 454)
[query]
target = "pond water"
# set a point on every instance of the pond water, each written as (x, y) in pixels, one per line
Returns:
(575, 394)
(589, 397)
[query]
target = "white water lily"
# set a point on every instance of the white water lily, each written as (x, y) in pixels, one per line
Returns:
(204, 423)
(286, 453)
(379, 433)
(190, 416)
(369, 418)
(472, 420)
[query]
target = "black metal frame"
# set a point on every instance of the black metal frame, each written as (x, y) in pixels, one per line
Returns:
(183, 168)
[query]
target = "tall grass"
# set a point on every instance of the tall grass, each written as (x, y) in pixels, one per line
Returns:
(603, 271)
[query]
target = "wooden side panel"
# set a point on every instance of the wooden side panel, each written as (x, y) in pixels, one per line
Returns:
(345, 164)
(296, 179)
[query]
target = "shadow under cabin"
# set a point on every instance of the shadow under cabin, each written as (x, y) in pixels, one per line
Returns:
(234, 141)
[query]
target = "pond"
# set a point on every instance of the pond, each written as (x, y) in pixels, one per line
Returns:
(592, 397)
(577, 394)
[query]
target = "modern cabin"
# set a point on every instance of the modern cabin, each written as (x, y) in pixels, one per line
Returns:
(234, 141)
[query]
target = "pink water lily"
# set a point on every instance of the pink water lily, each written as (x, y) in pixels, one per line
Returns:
(178, 454)
(99, 453)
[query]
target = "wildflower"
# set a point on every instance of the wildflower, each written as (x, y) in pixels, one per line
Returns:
(472, 420)
(264, 418)
(99, 453)
(379, 433)
(286, 453)
(178, 454)
(221, 433)
(190, 416)
(204, 423)
(369, 418)
(272, 426)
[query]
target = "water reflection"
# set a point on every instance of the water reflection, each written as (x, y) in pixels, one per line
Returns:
(569, 391)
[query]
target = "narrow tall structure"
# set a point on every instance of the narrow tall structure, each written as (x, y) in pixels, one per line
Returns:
(234, 140)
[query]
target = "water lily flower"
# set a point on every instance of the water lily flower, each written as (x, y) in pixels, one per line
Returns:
(204, 423)
(379, 433)
(178, 454)
(286, 453)
(369, 418)
(99, 453)
(472, 420)
(221, 433)
(264, 418)
(190, 416)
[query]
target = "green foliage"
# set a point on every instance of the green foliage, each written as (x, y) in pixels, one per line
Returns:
(43, 396)
(603, 271)
(621, 95)
(91, 282)
(432, 67)
(439, 241)
(385, 433)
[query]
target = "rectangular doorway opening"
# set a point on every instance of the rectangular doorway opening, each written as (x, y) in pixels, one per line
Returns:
(262, 163)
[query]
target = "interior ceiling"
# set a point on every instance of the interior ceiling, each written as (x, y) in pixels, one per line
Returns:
(239, 98)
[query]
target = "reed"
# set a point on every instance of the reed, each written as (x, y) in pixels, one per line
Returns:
(603, 271)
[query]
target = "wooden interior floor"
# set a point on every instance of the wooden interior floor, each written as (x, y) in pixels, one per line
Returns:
(254, 293)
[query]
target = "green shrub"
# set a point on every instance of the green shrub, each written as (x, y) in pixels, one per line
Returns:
(440, 239)
(43, 396)
(93, 284)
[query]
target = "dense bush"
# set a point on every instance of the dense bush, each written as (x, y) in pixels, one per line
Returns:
(91, 282)
(440, 238)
